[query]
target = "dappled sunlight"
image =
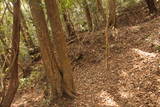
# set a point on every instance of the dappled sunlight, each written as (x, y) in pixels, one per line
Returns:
(125, 93)
(135, 28)
(107, 99)
(144, 54)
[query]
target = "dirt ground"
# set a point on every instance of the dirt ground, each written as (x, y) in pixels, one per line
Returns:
(133, 77)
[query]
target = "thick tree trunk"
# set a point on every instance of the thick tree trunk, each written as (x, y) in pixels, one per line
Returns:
(88, 15)
(46, 48)
(13, 68)
(61, 47)
(151, 6)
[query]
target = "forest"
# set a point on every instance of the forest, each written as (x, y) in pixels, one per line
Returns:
(79, 53)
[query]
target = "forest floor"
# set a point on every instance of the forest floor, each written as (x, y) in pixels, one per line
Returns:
(133, 77)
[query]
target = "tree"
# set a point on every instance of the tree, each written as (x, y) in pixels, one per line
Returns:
(68, 24)
(88, 15)
(59, 77)
(112, 13)
(101, 10)
(27, 38)
(66, 6)
(47, 51)
(13, 68)
(65, 68)
(151, 6)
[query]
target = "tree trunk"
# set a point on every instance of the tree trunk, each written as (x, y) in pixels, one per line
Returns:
(112, 13)
(70, 30)
(101, 10)
(33, 50)
(61, 47)
(46, 48)
(88, 15)
(28, 40)
(13, 68)
(151, 6)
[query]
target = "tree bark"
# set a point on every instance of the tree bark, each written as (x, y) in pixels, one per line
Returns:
(47, 50)
(61, 47)
(151, 6)
(13, 68)
(88, 15)
(69, 28)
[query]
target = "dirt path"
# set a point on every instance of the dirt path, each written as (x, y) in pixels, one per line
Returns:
(134, 77)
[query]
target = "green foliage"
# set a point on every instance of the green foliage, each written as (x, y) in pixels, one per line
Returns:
(66, 4)
(158, 48)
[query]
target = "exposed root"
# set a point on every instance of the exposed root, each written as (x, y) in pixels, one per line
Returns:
(70, 94)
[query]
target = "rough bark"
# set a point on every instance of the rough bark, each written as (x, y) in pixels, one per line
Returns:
(53, 75)
(61, 47)
(88, 15)
(13, 68)
(151, 6)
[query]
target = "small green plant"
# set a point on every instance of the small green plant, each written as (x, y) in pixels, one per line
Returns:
(158, 48)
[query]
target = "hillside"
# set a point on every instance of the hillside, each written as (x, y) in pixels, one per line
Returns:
(133, 78)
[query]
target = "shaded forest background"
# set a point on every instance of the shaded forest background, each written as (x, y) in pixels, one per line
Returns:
(79, 53)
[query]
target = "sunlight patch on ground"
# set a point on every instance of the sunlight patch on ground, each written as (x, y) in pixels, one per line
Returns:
(124, 93)
(135, 28)
(144, 54)
(107, 100)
